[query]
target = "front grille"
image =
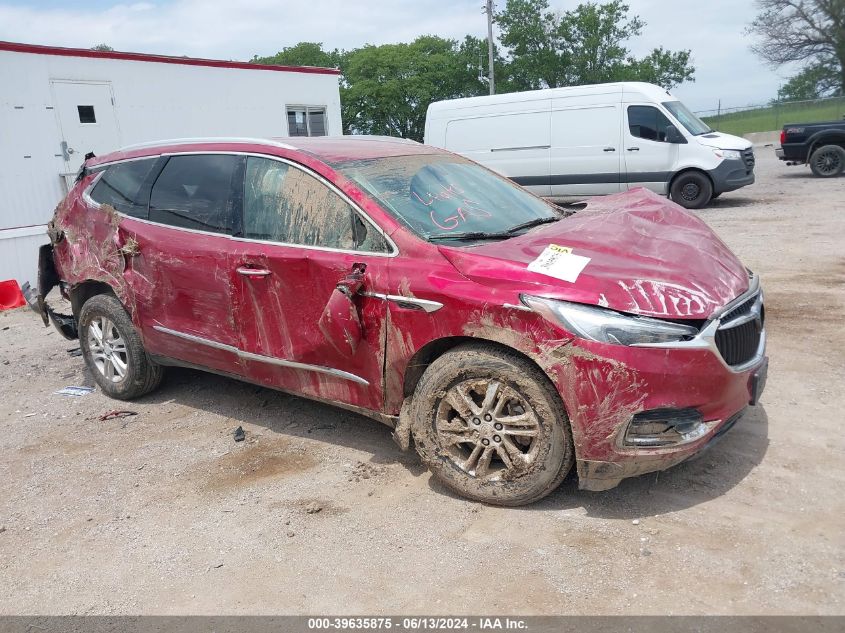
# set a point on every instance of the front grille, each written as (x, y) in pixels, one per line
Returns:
(748, 158)
(738, 344)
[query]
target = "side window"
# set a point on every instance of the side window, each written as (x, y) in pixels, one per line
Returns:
(286, 204)
(193, 192)
(647, 122)
(306, 121)
(122, 187)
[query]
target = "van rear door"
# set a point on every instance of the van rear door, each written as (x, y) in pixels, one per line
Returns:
(585, 156)
(514, 144)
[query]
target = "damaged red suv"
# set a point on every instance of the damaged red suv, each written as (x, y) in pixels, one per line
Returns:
(416, 287)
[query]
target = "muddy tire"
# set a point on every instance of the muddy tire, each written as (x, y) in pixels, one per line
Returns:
(691, 190)
(827, 161)
(491, 426)
(113, 351)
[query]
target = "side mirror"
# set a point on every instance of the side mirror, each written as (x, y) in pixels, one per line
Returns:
(674, 136)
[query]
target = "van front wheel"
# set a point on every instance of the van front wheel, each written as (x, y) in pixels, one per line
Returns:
(691, 190)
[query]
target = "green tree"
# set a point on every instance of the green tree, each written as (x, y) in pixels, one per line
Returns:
(814, 82)
(581, 46)
(302, 54)
(387, 88)
(531, 33)
(102, 47)
(811, 32)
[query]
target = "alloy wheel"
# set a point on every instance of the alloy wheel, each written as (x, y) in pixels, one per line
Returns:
(108, 349)
(488, 429)
(828, 163)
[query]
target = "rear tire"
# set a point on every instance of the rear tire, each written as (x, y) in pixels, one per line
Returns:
(691, 190)
(491, 427)
(827, 161)
(113, 351)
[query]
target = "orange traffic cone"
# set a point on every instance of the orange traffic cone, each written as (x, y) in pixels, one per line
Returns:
(10, 295)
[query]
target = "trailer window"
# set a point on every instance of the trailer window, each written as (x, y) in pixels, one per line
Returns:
(306, 120)
(121, 186)
(193, 192)
(86, 114)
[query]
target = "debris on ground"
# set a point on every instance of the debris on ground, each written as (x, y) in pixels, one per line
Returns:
(365, 470)
(313, 508)
(239, 434)
(74, 351)
(116, 414)
(74, 391)
(291, 534)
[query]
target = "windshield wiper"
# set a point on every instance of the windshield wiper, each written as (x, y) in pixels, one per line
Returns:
(470, 235)
(531, 223)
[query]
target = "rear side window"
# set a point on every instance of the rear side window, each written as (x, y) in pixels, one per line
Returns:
(647, 122)
(194, 192)
(122, 187)
(286, 204)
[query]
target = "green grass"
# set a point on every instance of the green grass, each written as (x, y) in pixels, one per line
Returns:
(775, 117)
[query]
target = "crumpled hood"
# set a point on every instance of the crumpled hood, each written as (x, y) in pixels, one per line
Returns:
(647, 256)
(719, 140)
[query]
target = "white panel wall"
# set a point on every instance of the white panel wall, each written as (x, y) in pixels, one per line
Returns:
(152, 101)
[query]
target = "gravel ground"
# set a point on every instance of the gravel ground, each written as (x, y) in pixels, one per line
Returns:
(318, 511)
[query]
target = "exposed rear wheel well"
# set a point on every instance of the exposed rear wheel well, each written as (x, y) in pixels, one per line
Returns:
(80, 293)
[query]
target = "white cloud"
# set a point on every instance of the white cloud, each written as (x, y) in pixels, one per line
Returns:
(726, 68)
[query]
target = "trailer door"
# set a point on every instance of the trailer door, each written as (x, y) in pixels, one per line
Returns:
(87, 122)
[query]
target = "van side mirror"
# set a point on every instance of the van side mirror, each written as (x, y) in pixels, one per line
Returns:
(674, 136)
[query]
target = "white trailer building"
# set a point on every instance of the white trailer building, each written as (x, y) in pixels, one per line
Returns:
(57, 104)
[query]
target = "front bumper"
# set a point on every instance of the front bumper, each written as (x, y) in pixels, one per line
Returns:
(605, 387)
(731, 175)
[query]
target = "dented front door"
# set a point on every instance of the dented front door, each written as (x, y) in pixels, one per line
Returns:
(305, 323)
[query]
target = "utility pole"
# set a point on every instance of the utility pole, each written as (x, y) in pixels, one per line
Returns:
(489, 11)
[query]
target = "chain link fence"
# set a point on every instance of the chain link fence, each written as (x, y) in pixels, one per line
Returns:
(773, 115)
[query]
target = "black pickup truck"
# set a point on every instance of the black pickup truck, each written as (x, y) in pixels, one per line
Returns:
(822, 145)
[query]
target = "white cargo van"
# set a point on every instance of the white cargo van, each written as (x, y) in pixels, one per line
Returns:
(592, 140)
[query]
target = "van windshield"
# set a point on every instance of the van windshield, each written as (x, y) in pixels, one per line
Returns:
(694, 125)
(446, 197)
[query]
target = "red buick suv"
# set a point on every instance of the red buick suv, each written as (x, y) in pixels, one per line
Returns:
(505, 341)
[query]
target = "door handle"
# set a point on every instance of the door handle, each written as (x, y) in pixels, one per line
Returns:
(633, 149)
(253, 272)
(609, 149)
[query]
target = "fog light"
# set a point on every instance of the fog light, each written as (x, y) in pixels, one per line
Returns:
(664, 427)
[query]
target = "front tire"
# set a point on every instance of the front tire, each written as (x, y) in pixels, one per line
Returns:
(491, 427)
(691, 190)
(113, 350)
(827, 161)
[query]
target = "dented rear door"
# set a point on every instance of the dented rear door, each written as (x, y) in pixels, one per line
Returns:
(180, 269)
(307, 265)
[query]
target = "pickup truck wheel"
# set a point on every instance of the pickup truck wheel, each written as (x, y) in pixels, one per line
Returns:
(827, 161)
(491, 427)
(113, 351)
(691, 190)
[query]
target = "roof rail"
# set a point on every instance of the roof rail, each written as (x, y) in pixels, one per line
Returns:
(211, 139)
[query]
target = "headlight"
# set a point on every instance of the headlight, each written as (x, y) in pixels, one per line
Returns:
(607, 326)
(728, 154)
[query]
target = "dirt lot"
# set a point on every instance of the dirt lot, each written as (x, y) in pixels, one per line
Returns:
(162, 513)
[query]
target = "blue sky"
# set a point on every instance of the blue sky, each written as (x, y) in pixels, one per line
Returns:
(725, 67)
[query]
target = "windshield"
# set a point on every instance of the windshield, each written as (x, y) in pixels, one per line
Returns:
(441, 196)
(694, 125)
